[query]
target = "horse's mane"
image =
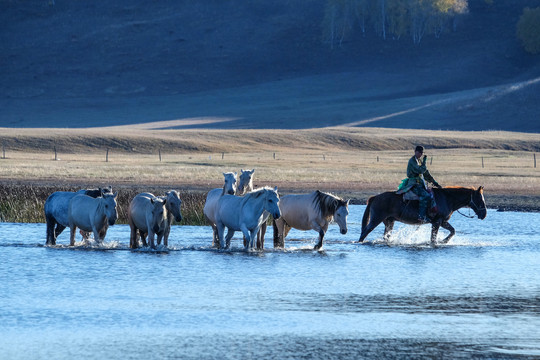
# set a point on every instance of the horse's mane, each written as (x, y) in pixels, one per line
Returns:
(327, 203)
(257, 192)
(459, 187)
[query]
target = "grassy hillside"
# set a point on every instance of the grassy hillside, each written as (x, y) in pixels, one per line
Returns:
(130, 140)
(240, 65)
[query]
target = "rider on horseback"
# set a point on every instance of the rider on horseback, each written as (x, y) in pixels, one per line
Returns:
(417, 175)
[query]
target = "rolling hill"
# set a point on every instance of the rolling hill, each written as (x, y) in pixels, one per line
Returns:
(256, 65)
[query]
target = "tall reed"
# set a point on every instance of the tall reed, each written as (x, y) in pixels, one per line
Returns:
(23, 203)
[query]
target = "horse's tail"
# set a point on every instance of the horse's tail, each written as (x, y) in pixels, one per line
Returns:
(365, 218)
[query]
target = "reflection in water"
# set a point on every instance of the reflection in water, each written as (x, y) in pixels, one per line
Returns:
(449, 304)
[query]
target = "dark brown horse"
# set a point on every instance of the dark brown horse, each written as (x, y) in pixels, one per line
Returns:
(389, 207)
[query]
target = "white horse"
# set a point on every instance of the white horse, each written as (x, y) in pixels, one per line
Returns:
(310, 211)
(56, 210)
(229, 187)
(245, 214)
(147, 215)
(91, 214)
(245, 183)
(173, 206)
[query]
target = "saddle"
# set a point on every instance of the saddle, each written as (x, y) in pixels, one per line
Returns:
(411, 196)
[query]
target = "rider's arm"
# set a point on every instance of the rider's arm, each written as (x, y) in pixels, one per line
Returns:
(414, 169)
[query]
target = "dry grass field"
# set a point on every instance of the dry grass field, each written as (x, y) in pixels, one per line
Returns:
(353, 163)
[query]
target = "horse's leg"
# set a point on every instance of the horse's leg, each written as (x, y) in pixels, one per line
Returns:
(97, 236)
(166, 234)
(151, 238)
(230, 234)
(133, 243)
(388, 227)
(254, 237)
(72, 229)
(321, 237)
(279, 233)
(275, 233)
(159, 237)
(215, 236)
(84, 235)
(58, 230)
(143, 235)
(374, 221)
(434, 231)
(249, 238)
(103, 232)
(220, 229)
(286, 230)
(260, 236)
(321, 230)
(450, 228)
(51, 238)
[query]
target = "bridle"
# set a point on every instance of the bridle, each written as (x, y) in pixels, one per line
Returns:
(473, 206)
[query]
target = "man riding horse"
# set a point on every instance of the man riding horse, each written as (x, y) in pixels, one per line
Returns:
(417, 175)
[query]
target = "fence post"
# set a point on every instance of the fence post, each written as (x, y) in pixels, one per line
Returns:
(55, 154)
(377, 159)
(4, 151)
(107, 155)
(159, 155)
(222, 155)
(482, 162)
(274, 156)
(534, 155)
(431, 161)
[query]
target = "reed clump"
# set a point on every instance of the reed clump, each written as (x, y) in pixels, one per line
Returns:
(24, 203)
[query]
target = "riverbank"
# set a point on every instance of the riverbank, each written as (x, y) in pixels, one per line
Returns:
(23, 201)
(349, 162)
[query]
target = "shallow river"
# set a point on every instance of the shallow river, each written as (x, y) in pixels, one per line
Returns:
(476, 297)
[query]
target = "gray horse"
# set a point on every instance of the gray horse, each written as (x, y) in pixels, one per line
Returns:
(92, 214)
(56, 210)
(212, 198)
(310, 211)
(173, 206)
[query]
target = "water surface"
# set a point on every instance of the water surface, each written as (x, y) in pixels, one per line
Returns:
(476, 297)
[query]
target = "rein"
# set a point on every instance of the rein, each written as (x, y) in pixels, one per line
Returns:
(467, 216)
(475, 208)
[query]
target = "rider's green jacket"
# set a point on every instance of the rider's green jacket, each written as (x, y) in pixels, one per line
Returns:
(417, 173)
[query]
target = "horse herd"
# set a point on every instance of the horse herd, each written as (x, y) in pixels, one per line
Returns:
(239, 207)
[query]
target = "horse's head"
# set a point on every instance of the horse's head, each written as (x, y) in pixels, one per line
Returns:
(230, 183)
(340, 215)
(109, 207)
(159, 213)
(246, 181)
(173, 204)
(271, 203)
(478, 204)
(107, 190)
(95, 193)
